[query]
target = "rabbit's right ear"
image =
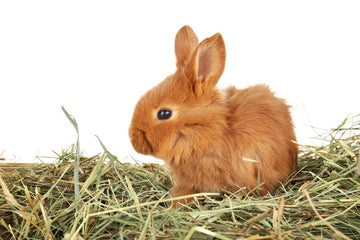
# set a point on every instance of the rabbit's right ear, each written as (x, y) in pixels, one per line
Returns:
(185, 42)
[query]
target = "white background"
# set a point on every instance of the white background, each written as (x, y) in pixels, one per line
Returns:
(96, 58)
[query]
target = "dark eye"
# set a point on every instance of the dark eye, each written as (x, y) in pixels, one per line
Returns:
(164, 114)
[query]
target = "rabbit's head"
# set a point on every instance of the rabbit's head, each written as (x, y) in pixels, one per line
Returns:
(183, 114)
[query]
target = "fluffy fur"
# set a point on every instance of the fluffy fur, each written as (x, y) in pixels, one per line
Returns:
(216, 140)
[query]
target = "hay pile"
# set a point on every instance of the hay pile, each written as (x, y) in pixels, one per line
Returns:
(126, 201)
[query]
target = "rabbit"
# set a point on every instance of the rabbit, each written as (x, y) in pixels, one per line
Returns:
(214, 140)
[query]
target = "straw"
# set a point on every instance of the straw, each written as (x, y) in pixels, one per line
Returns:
(132, 201)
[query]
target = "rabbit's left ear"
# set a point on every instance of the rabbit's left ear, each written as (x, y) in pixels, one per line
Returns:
(185, 43)
(206, 64)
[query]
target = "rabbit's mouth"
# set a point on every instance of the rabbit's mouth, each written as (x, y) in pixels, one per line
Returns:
(140, 142)
(147, 142)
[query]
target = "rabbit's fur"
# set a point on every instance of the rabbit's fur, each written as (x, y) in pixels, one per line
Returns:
(215, 140)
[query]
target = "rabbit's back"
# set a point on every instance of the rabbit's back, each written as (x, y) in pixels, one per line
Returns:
(262, 130)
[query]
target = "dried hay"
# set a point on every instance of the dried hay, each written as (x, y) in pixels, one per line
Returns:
(132, 201)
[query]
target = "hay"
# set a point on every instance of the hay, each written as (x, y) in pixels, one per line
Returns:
(132, 201)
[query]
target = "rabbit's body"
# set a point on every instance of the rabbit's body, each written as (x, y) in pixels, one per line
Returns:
(251, 130)
(214, 140)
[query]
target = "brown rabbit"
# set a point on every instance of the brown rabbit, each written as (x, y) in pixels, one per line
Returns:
(214, 140)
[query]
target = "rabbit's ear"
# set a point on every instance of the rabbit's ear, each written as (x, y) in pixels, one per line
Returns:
(207, 64)
(185, 42)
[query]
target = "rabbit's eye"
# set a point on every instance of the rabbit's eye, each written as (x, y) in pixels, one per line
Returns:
(164, 114)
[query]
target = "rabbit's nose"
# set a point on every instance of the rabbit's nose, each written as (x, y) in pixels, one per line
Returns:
(140, 142)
